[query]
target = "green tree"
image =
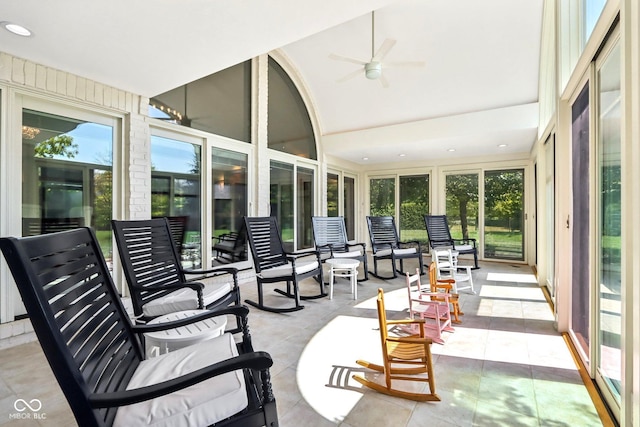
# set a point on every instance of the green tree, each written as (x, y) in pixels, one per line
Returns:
(462, 190)
(103, 199)
(382, 197)
(414, 201)
(60, 145)
(504, 196)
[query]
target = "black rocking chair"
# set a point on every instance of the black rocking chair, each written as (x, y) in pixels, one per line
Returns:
(157, 282)
(273, 264)
(330, 237)
(96, 355)
(385, 245)
(440, 238)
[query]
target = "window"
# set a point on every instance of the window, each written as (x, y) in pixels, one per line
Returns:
(414, 205)
(175, 189)
(382, 197)
(592, 9)
(462, 205)
(609, 225)
(333, 198)
(281, 197)
(67, 175)
(350, 206)
(289, 125)
(305, 191)
(229, 175)
(219, 103)
(411, 198)
(504, 214)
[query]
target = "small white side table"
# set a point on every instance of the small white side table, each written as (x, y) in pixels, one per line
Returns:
(172, 339)
(343, 267)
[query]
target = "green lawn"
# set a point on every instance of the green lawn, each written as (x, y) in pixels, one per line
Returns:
(499, 243)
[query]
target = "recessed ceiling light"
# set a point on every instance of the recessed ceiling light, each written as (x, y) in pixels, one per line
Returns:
(16, 29)
(365, 158)
(401, 155)
(502, 145)
(451, 150)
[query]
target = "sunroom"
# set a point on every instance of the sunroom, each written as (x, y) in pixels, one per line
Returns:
(514, 120)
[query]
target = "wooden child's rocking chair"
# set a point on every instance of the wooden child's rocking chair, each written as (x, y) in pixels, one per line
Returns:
(412, 353)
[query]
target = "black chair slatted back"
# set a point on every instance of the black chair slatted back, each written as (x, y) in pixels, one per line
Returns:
(329, 231)
(438, 230)
(77, 315)
(382, 231)
(264, 238)
(178, 227)
(35, 226)
(150, 257)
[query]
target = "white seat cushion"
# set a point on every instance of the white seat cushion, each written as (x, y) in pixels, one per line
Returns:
(382, 253)
(202, 404)
(464, 247)
(185, 299)
(351, 254)
(287, 269)
(387, 252)
(407, 251)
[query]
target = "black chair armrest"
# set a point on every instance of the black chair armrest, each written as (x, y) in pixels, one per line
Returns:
(328, 246)
(271, 258)
(302, 253)
(222, 270)
(440, 243)
(379, 246)
(196, 286)
(258, 360)
(353, 245)
(240, 311)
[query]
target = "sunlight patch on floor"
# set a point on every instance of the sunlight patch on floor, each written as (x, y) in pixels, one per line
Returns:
(525, 294)
(329, 360)
(512, 277)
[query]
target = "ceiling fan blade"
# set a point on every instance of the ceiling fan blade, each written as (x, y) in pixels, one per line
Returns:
(383, 81)
(384, 49)
(349, 76)
(346, 59)
(404, 64)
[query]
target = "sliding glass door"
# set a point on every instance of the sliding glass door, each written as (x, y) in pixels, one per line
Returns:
(462, 204)
(405, 197)
(292, 202)
(504, 214)
(609, 209)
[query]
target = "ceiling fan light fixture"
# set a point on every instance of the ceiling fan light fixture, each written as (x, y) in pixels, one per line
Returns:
(373, 70)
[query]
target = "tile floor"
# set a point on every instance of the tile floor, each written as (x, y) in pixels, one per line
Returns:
(505, 365)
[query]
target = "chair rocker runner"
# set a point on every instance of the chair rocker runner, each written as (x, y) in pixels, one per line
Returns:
(156, 279)
(96, 355)
(404, 358)
(385, 245)
(273, 264)
(440, 237)
(433, 307)
(330, 238)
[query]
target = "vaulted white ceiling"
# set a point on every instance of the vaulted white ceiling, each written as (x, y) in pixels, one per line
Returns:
(478, 87)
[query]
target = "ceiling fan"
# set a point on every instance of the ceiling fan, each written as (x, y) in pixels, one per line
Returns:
(373, 67)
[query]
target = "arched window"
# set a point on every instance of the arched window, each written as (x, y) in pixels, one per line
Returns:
(289, 125)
